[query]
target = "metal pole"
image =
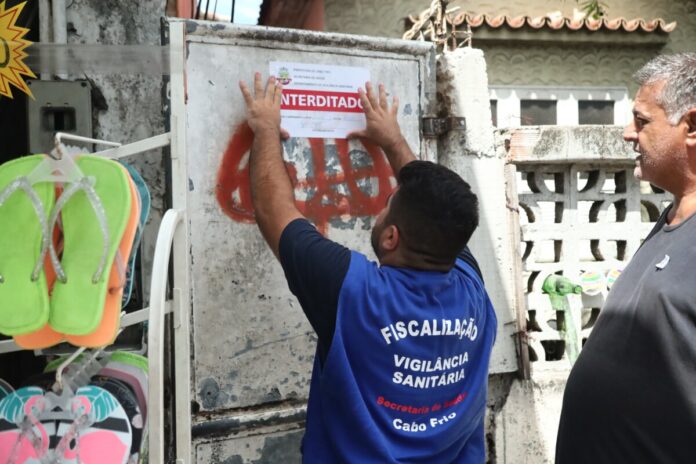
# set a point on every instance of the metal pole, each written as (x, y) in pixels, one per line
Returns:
(60, 28)
(44, 29)
(232, 15)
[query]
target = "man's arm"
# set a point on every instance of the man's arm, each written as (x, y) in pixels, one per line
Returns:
(383, 128)
(314, 266)
(271, 190)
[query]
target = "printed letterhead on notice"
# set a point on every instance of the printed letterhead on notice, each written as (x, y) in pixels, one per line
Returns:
(320, 101)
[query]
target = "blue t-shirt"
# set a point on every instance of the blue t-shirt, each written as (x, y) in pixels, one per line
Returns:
(402, 375)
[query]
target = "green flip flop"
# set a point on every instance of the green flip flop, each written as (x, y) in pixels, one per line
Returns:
(95, 211)
(24, 240)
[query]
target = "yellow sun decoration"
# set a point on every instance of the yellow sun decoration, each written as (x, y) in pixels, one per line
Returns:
(12, 54)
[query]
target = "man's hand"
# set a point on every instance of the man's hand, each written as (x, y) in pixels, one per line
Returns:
(272, 193)
(383, 127)
(263, 109)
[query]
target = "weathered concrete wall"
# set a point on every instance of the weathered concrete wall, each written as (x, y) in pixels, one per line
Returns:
(525, 425)
(463, 92)
(126, 107)
(462, 84)
(558, 144)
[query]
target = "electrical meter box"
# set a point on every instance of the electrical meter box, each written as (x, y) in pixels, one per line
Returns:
(58, 106)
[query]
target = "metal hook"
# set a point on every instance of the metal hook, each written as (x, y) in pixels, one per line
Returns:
(57, 154)
(64, 364)
(77, 138)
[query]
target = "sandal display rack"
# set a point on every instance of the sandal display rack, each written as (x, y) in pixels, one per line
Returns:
(170, 231)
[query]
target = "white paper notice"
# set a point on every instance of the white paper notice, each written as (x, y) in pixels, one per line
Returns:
(320, 101)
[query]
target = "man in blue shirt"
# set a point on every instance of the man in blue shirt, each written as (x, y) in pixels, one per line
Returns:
(404, 344)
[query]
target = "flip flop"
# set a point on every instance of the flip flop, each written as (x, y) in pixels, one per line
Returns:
(124, 395)
(24, 239)
(134, 377)
(67, 418)
(129, 368)
(145, 202)
(131, 359)
(84, 274)
(22, 437)
(107, 330)
(45, 337)
(101, 433)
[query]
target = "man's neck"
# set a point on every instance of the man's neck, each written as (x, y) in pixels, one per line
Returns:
(413, 261)
(683, 207)
(684, 191)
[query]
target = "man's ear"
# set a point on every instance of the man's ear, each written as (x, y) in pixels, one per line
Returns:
(389, 238)
(690, 118)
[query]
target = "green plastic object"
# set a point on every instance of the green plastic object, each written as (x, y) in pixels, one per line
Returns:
(77, 304)
(558, 288)
(131, 359)
(24, 304)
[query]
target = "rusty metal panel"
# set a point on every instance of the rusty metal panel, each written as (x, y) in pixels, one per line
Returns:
(251, 343)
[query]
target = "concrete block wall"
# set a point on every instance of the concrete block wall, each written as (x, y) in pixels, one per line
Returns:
(581, 211)
(582, 214)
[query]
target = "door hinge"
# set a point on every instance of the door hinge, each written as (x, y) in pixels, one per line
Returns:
(435, 127)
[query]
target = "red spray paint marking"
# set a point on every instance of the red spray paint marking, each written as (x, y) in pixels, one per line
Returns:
(233, 190)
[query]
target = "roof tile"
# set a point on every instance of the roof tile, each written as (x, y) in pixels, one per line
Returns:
(557, 22)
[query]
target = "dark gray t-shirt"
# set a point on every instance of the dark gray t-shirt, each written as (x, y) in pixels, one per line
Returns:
(631, 396)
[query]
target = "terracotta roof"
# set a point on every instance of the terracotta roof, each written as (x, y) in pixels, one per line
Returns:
(555, 22)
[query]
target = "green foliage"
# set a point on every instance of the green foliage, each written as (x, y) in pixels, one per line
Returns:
(593, 8)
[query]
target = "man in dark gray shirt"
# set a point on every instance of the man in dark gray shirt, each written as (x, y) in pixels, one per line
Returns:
(631, 396)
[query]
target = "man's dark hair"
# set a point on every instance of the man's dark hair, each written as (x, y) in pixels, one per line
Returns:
(435, 211)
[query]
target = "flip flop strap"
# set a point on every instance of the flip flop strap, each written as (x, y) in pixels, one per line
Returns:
(82, 422)
(86, 185)
(24, 184)
(27, 431)
(121, 269)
